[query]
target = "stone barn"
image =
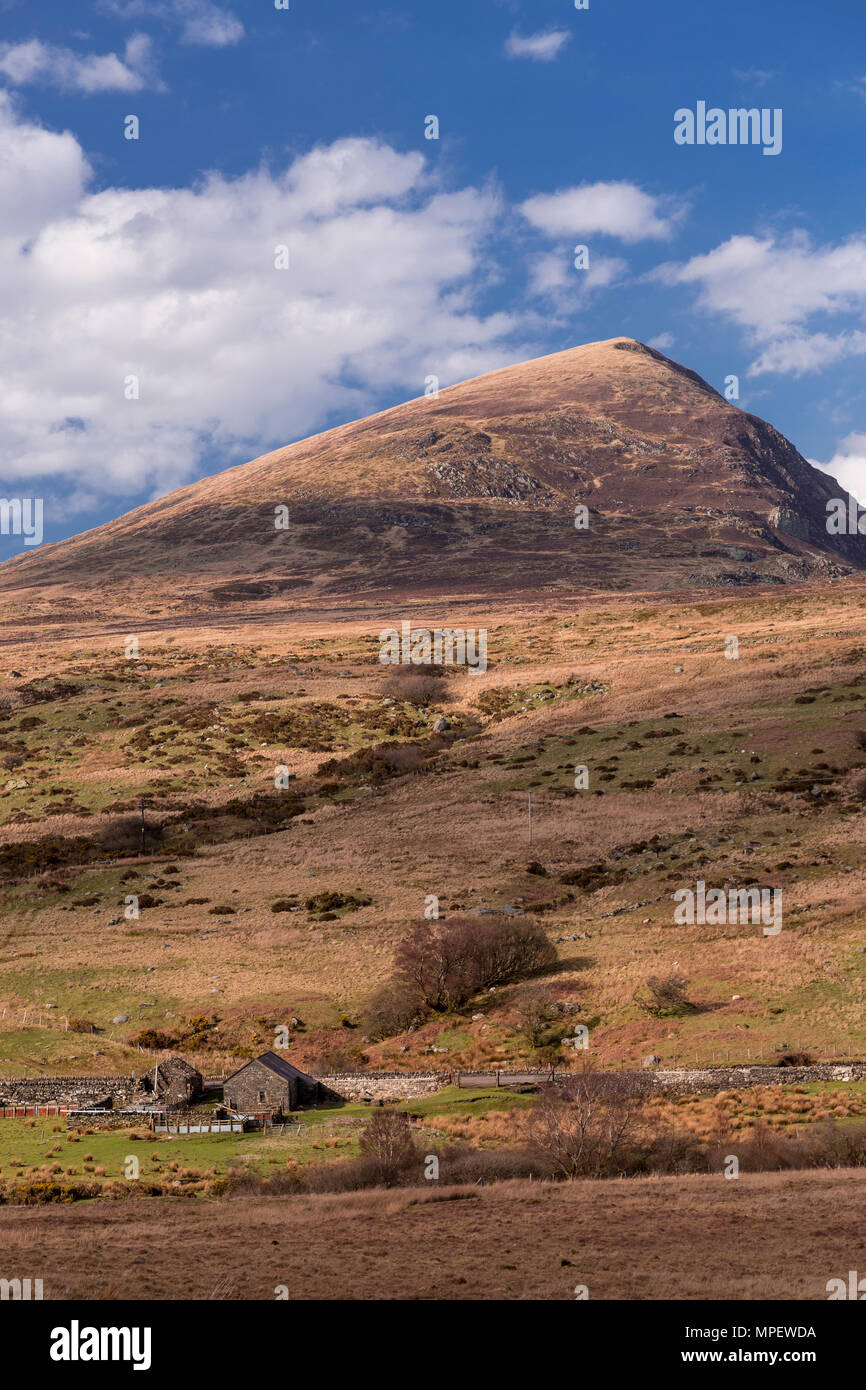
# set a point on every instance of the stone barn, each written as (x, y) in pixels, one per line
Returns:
(172, 1082)
(271, 1083)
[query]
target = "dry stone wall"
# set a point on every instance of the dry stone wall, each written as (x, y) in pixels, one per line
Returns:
(731, 1078)
(75, 1091)
(107, 1091)
(358, 1086)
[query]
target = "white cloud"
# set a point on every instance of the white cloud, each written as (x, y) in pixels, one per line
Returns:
(177, 286)
(43, 175)
(201, 21)
(542, 47)
(848, 466)
(801, 353)
(618, 209)
(663, 342)
(553, 276)
(756, 77)
(772, 287)
(35, 62)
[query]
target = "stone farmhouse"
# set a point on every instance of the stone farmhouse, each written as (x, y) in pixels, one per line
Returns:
(270, 1084)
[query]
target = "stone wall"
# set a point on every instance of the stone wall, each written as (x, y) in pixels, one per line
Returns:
(117, 1119)
(384, 1085)
(68, 1090)
(730, 1078)
(105, 1091)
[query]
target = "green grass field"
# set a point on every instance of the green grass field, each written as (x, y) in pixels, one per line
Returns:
(29, 1145)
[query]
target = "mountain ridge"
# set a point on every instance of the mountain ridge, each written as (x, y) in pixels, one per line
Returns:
(480, 484)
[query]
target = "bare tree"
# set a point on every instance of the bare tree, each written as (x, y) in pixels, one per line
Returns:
(585, 1125)
(537, 1011)
(387, 1141)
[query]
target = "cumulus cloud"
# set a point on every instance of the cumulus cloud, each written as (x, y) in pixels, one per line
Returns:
(201, 21)
(773, 286)
(43, 175)
(179, 288)
(542, 47)
(553, 277)
(618, 209)
(36, 63)
(848, 466)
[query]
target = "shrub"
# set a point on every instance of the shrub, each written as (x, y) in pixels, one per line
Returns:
(414, 685)
(154, 1040)
(330, 901)
(122, 834)
(464, 1165)
(441, 964)
(390, 1011)
(540, 1024)
(666, 996)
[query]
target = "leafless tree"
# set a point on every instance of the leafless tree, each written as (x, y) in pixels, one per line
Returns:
(387, 1141)
(586, 1125)
(537, 1011)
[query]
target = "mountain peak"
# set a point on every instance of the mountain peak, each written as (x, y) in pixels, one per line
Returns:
(474, 491)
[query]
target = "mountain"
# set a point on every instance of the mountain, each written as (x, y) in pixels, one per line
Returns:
(474, 492)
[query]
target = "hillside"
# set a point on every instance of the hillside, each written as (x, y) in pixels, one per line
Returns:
(474, 492)
(264, 901)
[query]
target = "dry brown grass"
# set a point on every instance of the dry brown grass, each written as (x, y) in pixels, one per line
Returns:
(763, 1236)
(461, 833)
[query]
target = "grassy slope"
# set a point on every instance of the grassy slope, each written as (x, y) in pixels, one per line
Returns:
(789, 710)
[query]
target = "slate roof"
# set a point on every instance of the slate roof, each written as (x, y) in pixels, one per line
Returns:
(275, 1064)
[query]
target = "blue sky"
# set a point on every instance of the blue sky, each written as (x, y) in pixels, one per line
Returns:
(153, 260)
